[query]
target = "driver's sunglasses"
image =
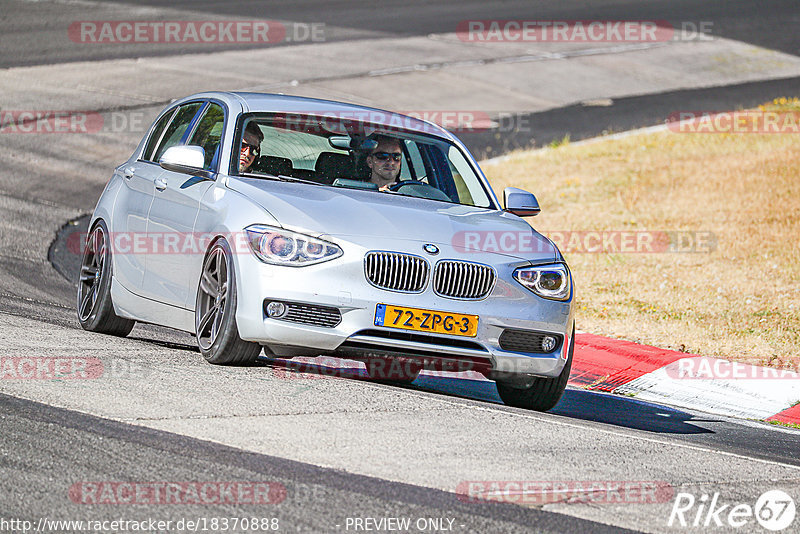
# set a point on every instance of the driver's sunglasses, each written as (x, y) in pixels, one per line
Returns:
(383, 156)
(254, 149)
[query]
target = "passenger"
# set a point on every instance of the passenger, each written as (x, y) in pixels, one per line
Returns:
(385, 161)
(251, 146)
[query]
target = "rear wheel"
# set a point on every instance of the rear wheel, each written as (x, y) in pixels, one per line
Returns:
(215, 311)
(95, 308)
(543, 393)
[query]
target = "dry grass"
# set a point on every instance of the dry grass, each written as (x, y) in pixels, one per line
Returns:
(741, 301)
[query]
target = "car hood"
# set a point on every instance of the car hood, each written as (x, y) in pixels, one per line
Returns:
(320, 210)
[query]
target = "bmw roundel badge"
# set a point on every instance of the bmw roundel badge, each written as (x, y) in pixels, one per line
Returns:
(431, 249)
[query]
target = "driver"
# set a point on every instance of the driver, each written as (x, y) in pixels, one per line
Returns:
(251, 146)
(385, 161)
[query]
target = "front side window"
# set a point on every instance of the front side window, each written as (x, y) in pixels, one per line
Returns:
(208, 133)
(174, 132)
(346, 153)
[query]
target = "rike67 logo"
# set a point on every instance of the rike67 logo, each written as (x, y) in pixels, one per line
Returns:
(774, 510)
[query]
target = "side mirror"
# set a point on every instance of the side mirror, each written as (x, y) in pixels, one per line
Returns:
(185, 160)
(520, 202)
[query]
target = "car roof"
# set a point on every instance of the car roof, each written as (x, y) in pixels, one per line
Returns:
(271, 103)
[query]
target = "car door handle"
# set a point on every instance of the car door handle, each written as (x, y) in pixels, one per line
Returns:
(161, 184)
(128, 173)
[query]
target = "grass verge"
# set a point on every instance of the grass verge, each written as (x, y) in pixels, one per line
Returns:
(781, 423)
(738, 297)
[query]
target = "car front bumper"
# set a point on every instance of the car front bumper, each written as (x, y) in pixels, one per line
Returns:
(342, 284)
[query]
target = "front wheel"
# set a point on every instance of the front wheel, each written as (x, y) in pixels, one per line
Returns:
(544, 393)
(215, 311)
(95, 308)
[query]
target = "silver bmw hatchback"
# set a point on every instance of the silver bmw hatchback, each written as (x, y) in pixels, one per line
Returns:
(304, 227)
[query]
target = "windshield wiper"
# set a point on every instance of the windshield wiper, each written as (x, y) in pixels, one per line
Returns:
(398, 193)
(293, 179)
(279, 178)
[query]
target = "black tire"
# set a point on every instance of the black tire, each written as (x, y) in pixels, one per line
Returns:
(544, 393)
(95, 307)
(215, 311)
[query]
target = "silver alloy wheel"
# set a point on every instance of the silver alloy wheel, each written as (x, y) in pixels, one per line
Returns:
(91, 276)
(213, 298)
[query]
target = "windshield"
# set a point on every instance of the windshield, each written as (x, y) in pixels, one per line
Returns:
(356, 155)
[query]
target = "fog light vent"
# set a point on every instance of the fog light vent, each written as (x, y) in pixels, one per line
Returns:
(529, 341)
(275, 309)
(549, 343)
(298, 312)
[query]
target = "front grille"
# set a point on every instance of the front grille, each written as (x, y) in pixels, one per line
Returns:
(396, 272)
(310, 314)
(463, 280)
(525, 341)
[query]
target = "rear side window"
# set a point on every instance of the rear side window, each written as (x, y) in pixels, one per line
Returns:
(208, 133)
(155, 137)
(174, 132)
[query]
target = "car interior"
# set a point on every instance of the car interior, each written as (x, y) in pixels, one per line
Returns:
(329, 154)
(312, 157)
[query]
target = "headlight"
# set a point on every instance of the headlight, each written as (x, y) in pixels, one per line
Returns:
(547, 281)
(282, 247)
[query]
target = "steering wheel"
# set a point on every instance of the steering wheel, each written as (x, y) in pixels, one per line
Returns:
(415, 188)
(398, 185)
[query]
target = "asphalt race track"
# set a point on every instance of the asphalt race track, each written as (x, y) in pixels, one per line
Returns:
(338, 451)
(29, 34)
